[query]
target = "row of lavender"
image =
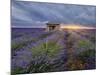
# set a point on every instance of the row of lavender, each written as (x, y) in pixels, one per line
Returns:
(34, 50)
(81, 49)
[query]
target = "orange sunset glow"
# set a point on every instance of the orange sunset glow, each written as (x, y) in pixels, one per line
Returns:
(76, 27)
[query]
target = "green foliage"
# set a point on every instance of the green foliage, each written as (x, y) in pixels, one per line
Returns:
(39, 67)
(48, 48)
(18, 70)
(86, 44)
(87, 53)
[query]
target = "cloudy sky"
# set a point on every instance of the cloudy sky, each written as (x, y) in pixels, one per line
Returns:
(36, 14)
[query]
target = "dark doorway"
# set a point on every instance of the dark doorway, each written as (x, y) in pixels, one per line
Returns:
(52, 27)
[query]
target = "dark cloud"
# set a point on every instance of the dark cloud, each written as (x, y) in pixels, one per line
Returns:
(36, 13)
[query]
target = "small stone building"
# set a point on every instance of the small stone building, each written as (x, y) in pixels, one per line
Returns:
(52, 26)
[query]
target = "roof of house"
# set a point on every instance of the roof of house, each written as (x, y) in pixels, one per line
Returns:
(52, 23)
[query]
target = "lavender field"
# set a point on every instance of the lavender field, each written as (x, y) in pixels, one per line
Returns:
(35, 50)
